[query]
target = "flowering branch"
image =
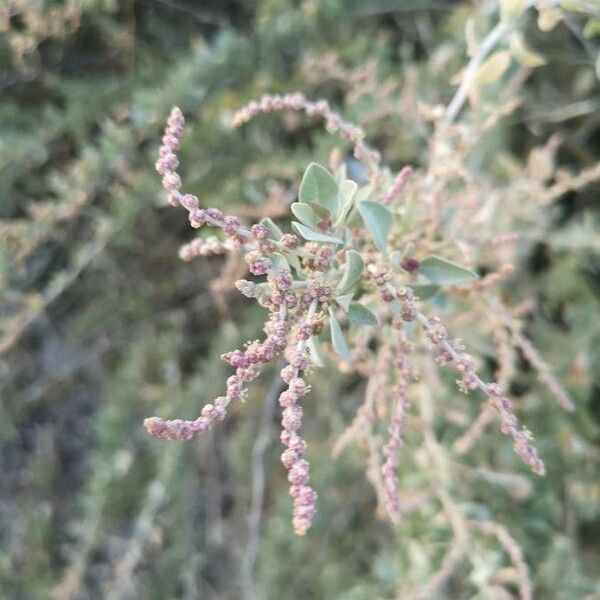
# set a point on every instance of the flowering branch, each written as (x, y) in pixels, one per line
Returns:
(352, 266)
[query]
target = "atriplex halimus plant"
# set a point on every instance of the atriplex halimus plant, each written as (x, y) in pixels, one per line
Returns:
(357, 271)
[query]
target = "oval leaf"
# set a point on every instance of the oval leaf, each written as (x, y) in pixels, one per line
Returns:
(319, 186)
(344, 301)
(396, 307)
(424, 290)
(279, 262)
(378, 220)
(305, 214)
(316, 354)
(395, 259)
(337, 337)
(358, 313)
(444, 272)
(314, 236)
(348, 190)
(523, 54)
(493, 68)
(512, 9)
(352, 272)
(274, 231)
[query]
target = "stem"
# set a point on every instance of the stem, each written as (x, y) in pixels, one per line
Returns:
(258, 489)
(492, 38)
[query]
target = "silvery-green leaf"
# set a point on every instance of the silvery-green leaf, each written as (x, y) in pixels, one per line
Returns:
(341, 174)
(279, 262)
(527, 57)
(319, 186)
(305, 214)
(511, 9)
(395, 259)
(395, 307)
(364, 193)
(378, 220)
(352, 270)
(316, 354)
(337, 337)
(274, 231)
(358, 313)
(294, 262)
(444, 272)
(348, 190)
(424, 290)
(492, 68)
(314, 236)
(344, 301)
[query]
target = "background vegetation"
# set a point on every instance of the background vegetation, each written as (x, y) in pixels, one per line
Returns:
(101, 324)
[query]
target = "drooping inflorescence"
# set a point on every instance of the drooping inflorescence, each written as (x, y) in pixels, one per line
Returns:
(349, 264)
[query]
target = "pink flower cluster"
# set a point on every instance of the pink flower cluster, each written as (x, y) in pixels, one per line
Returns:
(247, 365)
(297, 309)
(321, 108)
(452, 352)
(391, 452)
(208, 246)
(293, 319)
(398, 185)
(292, 458)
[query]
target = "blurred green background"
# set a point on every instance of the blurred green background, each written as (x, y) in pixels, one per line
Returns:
(101, 325)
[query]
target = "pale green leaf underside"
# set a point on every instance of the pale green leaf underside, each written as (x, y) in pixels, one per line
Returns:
(314, 236)
(424, 290)
(319, 186)
(316, 354)
(274, 231)
(444, 272)
(344, 301)
(305, 214)
(279, 262)
(337, 337)
(358, 313)
(352, 272)
(378, 220)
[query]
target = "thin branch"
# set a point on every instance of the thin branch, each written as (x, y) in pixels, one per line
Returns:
(488, 44)
(258, 486)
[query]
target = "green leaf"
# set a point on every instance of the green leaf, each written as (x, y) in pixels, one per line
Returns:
(316, 354)
(395, 259)
(341, 173)
(344, 301)
(348, 190)
(512, 9)
(493, 68)
(274, 231)
(396, 307)
(378, 220)
(318, 186)
(364, 193)
(313, 236)
(424, 290)
(523, 54)
(279, 262)
(305, 214)
(358, 313)
(444, 272)
(294, 262)
(337, 337)
(352, 272)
